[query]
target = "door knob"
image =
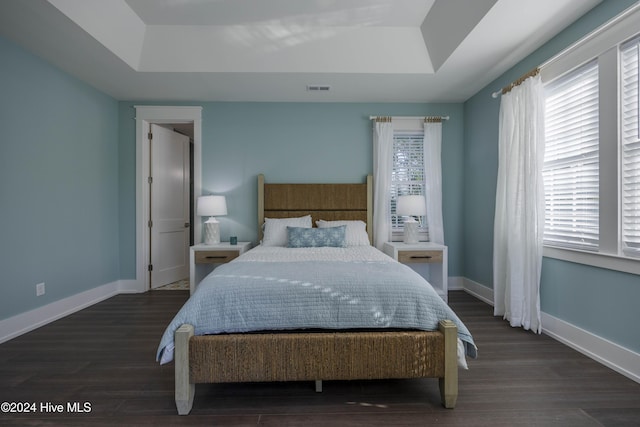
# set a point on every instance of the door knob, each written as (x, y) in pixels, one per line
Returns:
(187, 225)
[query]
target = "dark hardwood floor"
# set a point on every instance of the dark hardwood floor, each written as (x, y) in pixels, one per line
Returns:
(104, 356)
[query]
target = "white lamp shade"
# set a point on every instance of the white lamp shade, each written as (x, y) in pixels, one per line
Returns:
(411, 206)
(211, 206)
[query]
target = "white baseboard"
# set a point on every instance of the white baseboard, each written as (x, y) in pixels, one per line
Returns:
(455, 283)
(33, 319)
(130, 287)
(610, 354)
(479, 291)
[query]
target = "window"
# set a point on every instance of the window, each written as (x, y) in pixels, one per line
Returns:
(630, 147)
(592, 157)
(408, 175)
(571, 163)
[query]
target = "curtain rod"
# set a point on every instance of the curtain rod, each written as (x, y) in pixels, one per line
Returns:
(613, 21)
(517, 82)
(410, 117)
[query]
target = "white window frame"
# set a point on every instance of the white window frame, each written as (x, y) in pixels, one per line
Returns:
(412, 126)
(602, 44)
(572, 159)
(630, 146)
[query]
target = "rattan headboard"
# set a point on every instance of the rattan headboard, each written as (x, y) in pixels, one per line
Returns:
(330, 202)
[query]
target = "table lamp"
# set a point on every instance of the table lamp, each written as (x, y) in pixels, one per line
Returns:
(211, 206)
(411, 206)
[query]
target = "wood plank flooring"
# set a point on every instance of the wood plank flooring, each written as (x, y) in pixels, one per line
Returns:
(105, 356)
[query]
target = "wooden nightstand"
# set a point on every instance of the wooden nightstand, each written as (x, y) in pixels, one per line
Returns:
(204, 258)
(426, 258)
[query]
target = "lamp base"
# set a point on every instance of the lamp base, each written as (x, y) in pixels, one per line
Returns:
(411, 232)
(211, 233)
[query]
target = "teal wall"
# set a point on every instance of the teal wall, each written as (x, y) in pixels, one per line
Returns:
(289, 142)
(597, 300)
(58, 183)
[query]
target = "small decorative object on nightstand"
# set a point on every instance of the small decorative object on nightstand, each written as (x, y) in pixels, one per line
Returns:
(212, 206)
(411, 206)
(426, 258)
(204, 258)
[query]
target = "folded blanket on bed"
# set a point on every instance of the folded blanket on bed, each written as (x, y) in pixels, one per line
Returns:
(260, 296)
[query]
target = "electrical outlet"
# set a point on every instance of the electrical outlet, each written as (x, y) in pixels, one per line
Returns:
(40, 289)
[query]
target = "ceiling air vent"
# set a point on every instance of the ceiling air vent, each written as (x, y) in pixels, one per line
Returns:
(318, 88)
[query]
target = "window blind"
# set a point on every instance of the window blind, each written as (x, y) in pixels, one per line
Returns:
(571, 165)
(407, 177)
(630, 147)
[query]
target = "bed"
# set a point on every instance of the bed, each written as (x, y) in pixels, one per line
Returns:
(244, 339)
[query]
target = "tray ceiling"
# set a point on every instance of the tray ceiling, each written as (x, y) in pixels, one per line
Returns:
(272, 50)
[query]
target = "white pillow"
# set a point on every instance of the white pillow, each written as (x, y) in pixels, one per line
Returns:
(275, 229)
(356, 234)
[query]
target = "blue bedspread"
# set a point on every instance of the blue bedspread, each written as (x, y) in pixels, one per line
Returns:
(258, 296)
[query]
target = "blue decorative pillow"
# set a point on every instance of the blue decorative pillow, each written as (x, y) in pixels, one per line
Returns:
(299, 237)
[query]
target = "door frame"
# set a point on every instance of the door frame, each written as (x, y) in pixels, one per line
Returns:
(145, 116)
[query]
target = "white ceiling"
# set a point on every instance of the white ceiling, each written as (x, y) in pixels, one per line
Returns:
(271, 50)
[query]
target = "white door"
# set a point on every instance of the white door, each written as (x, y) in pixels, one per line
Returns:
(169, 206)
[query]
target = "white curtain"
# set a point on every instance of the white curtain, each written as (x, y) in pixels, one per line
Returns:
(433, 180)
(519, 215)
(382, 169)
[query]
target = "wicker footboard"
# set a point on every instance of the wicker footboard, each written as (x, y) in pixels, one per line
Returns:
(315, 357)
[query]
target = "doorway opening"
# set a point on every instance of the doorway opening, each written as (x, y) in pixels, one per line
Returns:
(169, 205)
(183, 119)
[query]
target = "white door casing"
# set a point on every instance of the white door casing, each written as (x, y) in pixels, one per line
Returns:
(169, 214)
